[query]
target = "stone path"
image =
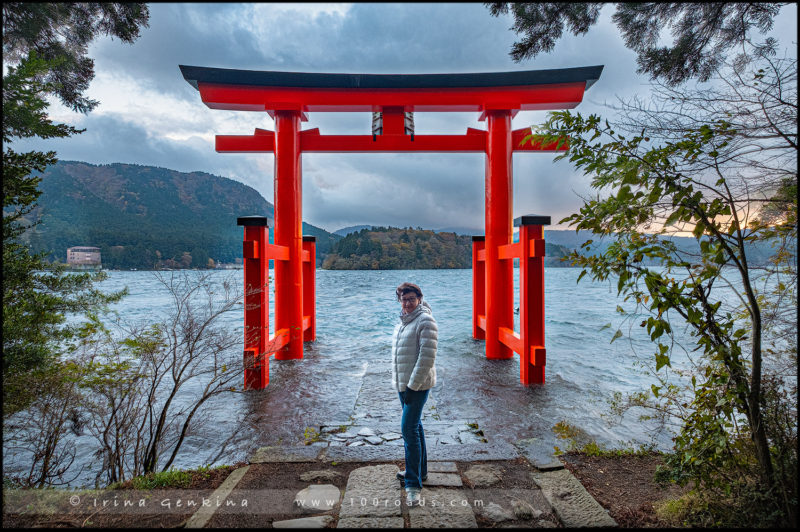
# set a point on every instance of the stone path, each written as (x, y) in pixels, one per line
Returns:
(376, 420)
(374, 498)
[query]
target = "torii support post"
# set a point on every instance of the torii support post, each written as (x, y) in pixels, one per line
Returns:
(531, 297)
(256, 301)
(309, 288)
(528, 343)
(478, 287)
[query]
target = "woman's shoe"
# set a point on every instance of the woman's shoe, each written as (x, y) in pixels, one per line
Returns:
(413, 496)
(401, 475)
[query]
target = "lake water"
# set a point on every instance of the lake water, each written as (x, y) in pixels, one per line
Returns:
(356, 315)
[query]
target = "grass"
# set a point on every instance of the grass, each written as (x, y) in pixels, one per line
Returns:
(172, 478)
(579, 441)
(311, 435)
(473, 427)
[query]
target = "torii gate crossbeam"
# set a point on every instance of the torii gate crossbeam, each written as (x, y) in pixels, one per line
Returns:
(289, 96)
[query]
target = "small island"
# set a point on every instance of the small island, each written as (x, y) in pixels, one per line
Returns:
(392, 248)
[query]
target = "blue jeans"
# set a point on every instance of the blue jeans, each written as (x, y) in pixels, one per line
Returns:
(414, 436)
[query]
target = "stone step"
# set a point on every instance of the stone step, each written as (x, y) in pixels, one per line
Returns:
(372, 491)
(450, 480)
(319, 521)
(442, 508)
(573, 505)
(317, 498)
(498, 450)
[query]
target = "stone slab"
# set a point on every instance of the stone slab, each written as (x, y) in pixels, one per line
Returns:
(333, 426)
(319, 521)
(467, 436)
(496, 513)
(483, 475)
(272, 454)
(450, 426)
(442, 508)
(201, 517)
(324, 475)
(539, 454)
(496, 450)
(573, 505)
(317, 498)
(442, 467)
(372, 491)
(368, 453)
(371, 522)
(450, 480)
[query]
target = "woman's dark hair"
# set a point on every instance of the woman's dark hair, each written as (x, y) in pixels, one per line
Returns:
(407, 288)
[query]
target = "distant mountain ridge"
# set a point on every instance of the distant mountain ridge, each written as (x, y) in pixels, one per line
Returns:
(143, 216)
(463, 231)
(344, 231)
(758, 253)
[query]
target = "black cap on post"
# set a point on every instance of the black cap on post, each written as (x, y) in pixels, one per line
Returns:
(307, 238)
(532, 219)
(479, 238)
(260, 221)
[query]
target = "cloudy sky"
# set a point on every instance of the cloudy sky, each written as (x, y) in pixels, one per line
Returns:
(148, 114)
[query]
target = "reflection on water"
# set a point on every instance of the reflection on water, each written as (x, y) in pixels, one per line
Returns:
(356, 314)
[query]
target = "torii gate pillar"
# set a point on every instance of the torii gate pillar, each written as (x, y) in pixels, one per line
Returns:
(499, 274)
(289, 232)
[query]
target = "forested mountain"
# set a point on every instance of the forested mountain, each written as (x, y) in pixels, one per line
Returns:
(146, 216)
(391, 248)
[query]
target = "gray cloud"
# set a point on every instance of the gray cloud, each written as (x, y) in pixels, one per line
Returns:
(426, 190)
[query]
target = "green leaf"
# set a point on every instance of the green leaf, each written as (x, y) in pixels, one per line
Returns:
(661, 361)
(617, 334)
(655, 390)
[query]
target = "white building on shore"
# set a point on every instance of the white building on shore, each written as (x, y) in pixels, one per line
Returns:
(84, 258)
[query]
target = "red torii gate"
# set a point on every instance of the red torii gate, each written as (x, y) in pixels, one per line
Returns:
(289, 96)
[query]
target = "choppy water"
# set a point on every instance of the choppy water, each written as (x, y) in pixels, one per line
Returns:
(356, 314)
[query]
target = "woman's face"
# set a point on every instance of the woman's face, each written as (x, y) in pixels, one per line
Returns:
(409, 301)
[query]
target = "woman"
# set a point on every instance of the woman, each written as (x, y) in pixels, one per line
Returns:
(413, 375)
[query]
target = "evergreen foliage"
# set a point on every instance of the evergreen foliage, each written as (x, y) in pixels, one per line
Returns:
(44, 46)
(702, 32)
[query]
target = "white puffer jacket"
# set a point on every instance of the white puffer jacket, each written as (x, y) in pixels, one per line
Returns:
(414, 350)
